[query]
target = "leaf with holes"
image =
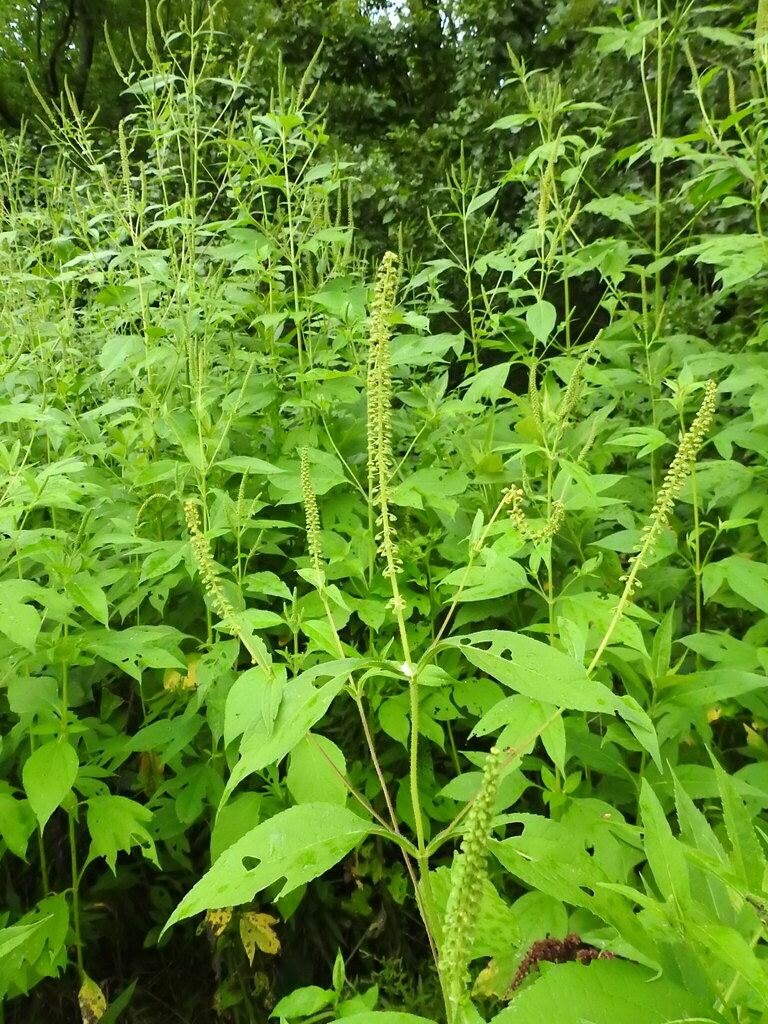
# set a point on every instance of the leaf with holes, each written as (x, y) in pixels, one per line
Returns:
(297, 845)
(539, 671)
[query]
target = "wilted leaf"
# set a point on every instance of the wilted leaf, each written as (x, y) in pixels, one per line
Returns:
(93, 1005)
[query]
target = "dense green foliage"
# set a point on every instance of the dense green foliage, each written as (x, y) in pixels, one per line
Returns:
(371, 621)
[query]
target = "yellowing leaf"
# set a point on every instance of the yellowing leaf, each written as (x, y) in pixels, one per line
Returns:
(256, 930)
(171, 679)
(93, 1005)
(189, 682)
(494, 979)
(216, 921)
(755, 739)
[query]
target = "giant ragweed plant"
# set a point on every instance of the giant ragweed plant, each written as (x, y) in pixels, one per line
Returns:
(157, 346)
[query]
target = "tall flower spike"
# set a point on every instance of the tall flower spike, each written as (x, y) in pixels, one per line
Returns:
(676, 476)
(213, 588)
(547, 186)
(379, 394)
(379, 385)
(467, 885)
(207, 568)
(574, 387)
(591, 437)
(311, 516)
(533, 396)
(658, 520)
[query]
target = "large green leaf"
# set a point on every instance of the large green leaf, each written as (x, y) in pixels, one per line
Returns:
(539, 671)
(20, 946)
(138, 647)
(747, 578)
(117, 823)
(20, 622)
(747, 855)
(17, 823)
(303, 1002)
(541, 318)
(535, 669)
(605, 992)
(255, 695)
(697, 833)
(297, 845)
(48, 774)
(303, 703)
(551, 858)
(732, 949)
(316, 772)
(15, 936)
(666, 857)
(41, 951)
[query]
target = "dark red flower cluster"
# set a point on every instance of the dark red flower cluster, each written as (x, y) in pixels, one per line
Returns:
(556, 951)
